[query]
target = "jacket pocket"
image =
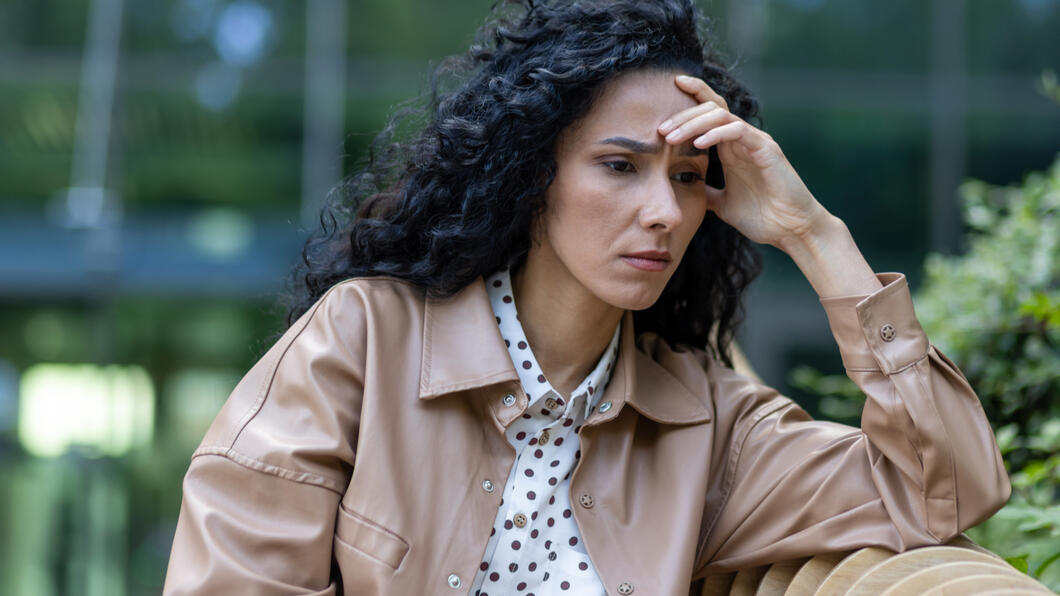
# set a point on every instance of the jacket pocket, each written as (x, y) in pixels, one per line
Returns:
(368, 538)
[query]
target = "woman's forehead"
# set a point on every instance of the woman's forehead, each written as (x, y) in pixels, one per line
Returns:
(632, 105)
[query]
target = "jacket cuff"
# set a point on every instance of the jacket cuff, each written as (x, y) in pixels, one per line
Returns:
(878, 331)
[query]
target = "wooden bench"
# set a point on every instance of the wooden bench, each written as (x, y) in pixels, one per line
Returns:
(960, 568)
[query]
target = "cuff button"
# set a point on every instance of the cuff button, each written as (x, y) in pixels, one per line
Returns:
(887, 332)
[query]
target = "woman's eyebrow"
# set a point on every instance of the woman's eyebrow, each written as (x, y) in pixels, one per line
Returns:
(640, 147)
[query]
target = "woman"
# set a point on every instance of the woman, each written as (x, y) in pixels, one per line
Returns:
(510, 374)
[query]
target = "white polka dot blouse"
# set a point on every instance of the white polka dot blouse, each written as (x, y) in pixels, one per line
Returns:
(535, 548)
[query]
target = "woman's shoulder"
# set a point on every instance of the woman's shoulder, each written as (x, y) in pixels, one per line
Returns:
(735, 392)
(684, 360)
(363, 298)
(375, 289)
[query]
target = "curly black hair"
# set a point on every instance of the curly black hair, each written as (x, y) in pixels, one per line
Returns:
(456, 202)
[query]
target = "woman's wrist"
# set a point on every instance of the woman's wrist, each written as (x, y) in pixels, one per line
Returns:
(830, 259)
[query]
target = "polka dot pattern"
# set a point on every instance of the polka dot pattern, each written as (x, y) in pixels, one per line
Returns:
(546, 555)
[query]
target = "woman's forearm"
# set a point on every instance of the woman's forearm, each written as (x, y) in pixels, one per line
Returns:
(831, 261)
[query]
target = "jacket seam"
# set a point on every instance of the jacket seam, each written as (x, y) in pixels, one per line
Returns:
(909, 365)
(373, 524)
(361, 519)
(926, 391)
(888, 373)
(266, 387)
(878, 500)
(757, 416)
(241, 459)
(364, 553)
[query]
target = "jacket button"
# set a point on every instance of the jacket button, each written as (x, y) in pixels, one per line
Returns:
(887, 332)
(543, 439)
(454, 581)
(605, 407)
(520, 520)
(586, 500)
(625, 588)
(509, 400)
(487, 485)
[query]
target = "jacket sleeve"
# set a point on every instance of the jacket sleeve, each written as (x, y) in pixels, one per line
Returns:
(262, 492)
(923, 467)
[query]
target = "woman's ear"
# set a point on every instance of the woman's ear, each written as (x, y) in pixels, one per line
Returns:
(715, 177)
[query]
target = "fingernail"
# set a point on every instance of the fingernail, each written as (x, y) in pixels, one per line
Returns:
(673, 136)
(685, 78)
(665, 126)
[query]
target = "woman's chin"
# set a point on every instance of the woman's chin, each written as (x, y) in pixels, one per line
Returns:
(631, 298)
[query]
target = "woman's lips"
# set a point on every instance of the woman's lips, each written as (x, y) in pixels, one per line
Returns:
(649, 261)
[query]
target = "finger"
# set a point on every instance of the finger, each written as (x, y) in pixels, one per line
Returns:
(699, 89)
(699, 125)
(685, 115)
(737, 131)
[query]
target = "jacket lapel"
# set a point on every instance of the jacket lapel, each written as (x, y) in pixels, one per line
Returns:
(463, 349)
(462, 345)
(649, 387)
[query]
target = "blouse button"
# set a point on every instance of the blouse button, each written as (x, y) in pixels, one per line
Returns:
(887, 332)
(605, 407)
(509, 399)
(552, 556)
(543, 439)
(586, 500)
(487, 485)
(551, 404)
(520, 520)
(454, 581)
(625, 588)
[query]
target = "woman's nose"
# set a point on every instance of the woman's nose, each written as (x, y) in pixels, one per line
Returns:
(660, 209)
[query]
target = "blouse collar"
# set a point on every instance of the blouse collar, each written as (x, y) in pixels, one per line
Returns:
(531, 377)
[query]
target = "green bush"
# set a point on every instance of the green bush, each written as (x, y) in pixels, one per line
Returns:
(995, 311)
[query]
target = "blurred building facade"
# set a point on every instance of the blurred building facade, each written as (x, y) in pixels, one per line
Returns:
(162, 160)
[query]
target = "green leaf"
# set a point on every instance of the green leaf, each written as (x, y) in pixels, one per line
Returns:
(1041, 568)
(1042, 307)
(1019, 562)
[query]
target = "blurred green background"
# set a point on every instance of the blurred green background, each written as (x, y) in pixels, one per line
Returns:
(162, 160)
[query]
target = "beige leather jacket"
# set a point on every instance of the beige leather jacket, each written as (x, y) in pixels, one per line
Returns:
(361, 455)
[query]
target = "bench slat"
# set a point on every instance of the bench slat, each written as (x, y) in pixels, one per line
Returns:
(851, 568)
(985, 584)
(810, 575)
(777, 578)
(932, 577)
(899, 566)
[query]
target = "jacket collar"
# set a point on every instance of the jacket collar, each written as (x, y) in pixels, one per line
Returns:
(463, 349)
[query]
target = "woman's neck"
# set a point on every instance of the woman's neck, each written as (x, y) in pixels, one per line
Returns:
(568, 327)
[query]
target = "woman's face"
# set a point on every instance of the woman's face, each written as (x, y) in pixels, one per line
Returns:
(624, 204)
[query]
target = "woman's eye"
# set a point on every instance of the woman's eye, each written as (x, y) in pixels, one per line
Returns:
(620, 166)
(688, 177)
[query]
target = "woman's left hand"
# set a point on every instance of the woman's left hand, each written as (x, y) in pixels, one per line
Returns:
(763, 198)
